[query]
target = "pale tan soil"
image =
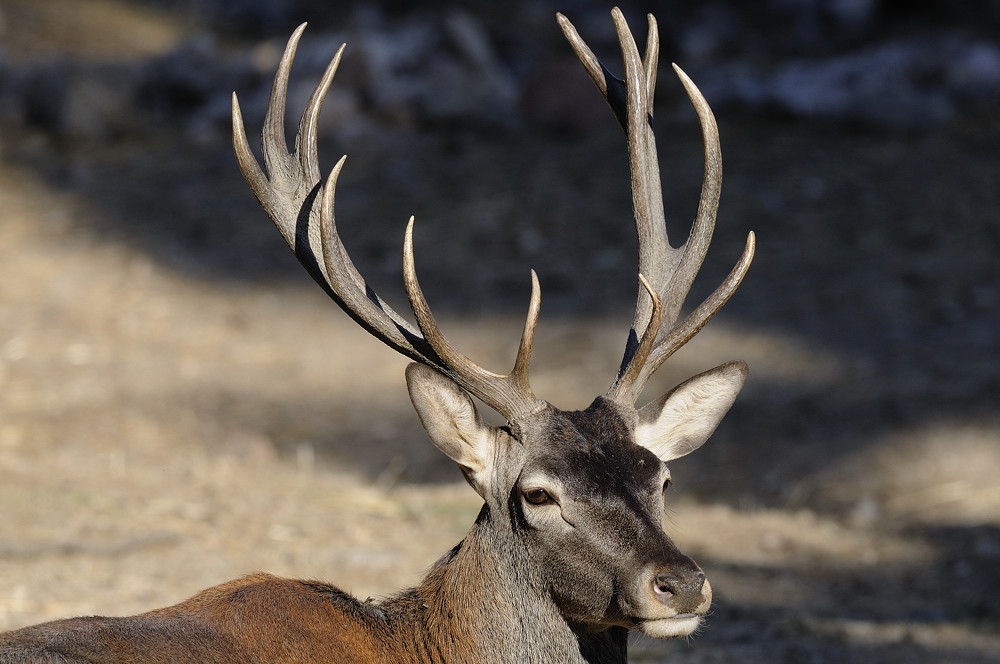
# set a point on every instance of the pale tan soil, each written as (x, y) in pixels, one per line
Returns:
(178, 406)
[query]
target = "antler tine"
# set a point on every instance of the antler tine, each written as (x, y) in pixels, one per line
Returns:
(590, 63)
(650, 60)
(351, 292)
(523, 358)
(670, 271)
(510, 395)
(696, 246)
(632, 372)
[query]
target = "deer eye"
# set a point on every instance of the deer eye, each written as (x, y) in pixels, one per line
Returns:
(667, 483)
(538, 496)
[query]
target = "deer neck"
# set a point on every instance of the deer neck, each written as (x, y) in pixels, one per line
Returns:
(480, 603)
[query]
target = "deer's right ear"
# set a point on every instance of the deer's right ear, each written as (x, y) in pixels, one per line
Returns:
(451, 420)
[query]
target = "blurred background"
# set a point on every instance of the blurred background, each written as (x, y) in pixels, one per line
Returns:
(180, 404)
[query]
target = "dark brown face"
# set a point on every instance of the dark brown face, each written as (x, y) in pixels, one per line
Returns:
(586, 502)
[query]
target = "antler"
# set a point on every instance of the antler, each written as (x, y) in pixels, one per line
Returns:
(664, 272)
(302, 208)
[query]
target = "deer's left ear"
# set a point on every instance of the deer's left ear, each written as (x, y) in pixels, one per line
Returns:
(680, 421)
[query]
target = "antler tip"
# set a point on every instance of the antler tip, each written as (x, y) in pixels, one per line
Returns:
(620, 23)
(331, 186)
(237, 114)
(536, 294)
(657, 302)
(694, 94)
(750, 248)
(335, 171)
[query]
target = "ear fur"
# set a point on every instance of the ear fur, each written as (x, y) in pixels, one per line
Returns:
(680, 421)
(452, 422)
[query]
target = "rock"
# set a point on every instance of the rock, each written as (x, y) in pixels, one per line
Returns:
(92, 101)
(440, 70)
(973, 70)
(904, 84)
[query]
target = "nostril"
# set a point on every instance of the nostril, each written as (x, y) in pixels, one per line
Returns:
(697, 582)
(664, 586)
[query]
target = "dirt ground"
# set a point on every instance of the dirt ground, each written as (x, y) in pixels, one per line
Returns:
(180, 405)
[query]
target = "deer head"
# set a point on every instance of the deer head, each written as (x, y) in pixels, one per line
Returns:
(573, 500)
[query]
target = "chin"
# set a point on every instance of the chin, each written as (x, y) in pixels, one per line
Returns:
(684, 624)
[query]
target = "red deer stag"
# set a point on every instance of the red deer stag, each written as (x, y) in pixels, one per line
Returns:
(568, 552)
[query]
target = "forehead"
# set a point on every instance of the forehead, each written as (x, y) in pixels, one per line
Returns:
(593, 448)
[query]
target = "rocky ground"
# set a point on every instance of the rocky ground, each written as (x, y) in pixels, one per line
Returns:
(180, 405)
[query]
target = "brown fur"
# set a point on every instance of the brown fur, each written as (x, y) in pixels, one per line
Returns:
(263, 618)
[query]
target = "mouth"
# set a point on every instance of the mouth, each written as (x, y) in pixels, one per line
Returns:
(683, 624)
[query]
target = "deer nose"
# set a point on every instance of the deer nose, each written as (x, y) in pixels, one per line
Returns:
(684, 593)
